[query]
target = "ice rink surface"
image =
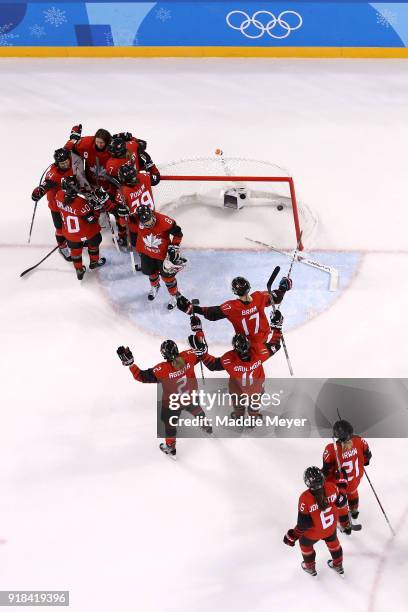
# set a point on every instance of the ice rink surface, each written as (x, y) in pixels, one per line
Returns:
(89, 504)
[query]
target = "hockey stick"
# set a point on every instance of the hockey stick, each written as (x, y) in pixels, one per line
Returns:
(196, 302)
(114, 238)
(32, 222)
(35, 205)
(379, 503)
(130, 246)
(356, 526)
(333, 273)
(269, 286)
(272, 278)
(295, 253)
(40, 262)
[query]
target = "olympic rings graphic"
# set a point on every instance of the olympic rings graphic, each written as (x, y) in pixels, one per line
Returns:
(280, 20)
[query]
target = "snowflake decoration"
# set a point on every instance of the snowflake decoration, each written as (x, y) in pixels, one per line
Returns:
(386, 18)
(37, 31)
(163, 14)
(5, 36)
(55, 16)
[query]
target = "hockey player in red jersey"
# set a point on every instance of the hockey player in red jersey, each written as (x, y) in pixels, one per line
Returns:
(94, 151)
(320, 507)
(354, 454)
(61, 167)
(246, 313)
(244, 364)
(124, 148)
(157, 238)
(135, 191)
(81, 228)
(177, 377)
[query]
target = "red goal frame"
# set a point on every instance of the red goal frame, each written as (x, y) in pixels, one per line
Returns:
(245, 179)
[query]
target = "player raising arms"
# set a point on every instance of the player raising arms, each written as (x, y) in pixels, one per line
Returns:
(81, 228)
(353, 454)
(176, 375)
(246, 313)
(61, 167)
(319, 509)
(124, 148)
(244, 364)
(94, 151)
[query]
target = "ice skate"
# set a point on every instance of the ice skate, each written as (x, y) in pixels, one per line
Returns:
(80, 272)
(65, 253)
(97, 264)
(309, 570)
(172, 303)
(169, 450)
(154, 289)
(337, 568)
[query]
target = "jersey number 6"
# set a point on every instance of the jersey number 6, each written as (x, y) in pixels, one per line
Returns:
(326, 519)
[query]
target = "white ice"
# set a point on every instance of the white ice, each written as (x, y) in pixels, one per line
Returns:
(88, 502)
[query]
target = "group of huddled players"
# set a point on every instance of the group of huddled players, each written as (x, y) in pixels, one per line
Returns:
(92, 175)
(99, 174)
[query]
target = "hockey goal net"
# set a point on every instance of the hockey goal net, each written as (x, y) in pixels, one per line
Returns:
(220, 201)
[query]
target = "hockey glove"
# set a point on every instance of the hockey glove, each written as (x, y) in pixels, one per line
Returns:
(285, 284)
(341, 480)
(345, 527)
(154, 175)
(184, 305)
(76, 132)
(195, 324)
(125, 355)
(98, 199)
(38, 193)
(276, 320)
(367, 457)
(173, 253)
(198, 345)
(122, 210)
(290, 538)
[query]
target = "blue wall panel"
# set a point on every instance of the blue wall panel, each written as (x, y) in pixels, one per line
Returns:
(201, 24)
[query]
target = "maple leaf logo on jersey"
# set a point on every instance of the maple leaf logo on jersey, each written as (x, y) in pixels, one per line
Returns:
(152, 242)
(98, 171)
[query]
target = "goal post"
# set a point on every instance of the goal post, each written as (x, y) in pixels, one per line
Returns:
(248, 179)
(262, 195)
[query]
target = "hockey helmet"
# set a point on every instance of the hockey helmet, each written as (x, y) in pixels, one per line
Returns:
(127, 174)
(117, 147)
(169, 350)
(70, 185)
(145, 214)
(240, 286)
(241, 344)
(62, 155)
(313, 478)
(343, 430)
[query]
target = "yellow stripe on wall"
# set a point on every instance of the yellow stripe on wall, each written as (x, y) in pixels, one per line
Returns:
(322, 52)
